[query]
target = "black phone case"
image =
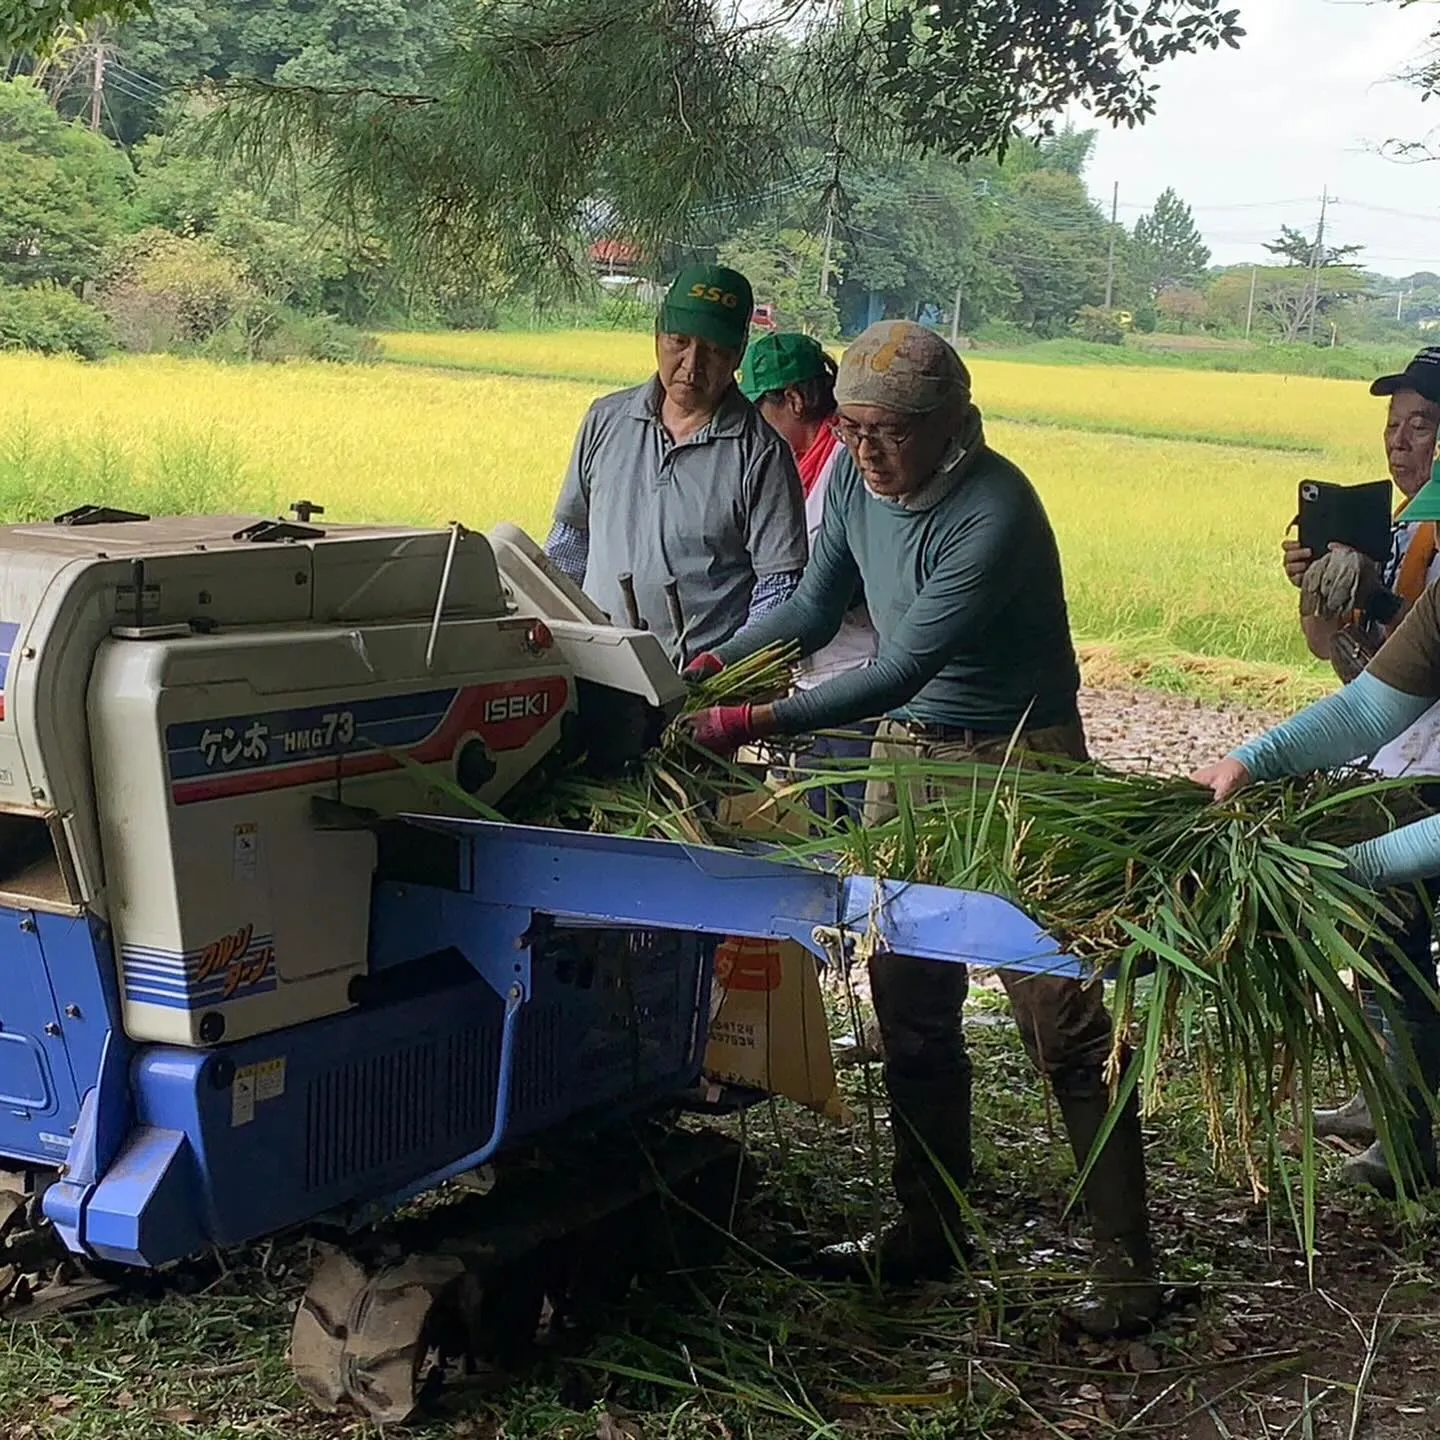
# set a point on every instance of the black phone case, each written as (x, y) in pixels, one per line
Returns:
(1353, 515)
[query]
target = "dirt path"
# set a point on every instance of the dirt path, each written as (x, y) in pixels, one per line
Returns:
(1148, 729)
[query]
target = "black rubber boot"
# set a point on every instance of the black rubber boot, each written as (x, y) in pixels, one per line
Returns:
(1123, 1296)
(932, 1130)
(1372, 1167)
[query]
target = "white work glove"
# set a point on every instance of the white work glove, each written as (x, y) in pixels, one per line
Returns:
(1338, 584)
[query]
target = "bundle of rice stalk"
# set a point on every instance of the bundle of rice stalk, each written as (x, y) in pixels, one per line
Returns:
(1231, 932)
(1233, 935)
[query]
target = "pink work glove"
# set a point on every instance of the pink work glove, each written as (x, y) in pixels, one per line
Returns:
(722, 729)
(703, 666)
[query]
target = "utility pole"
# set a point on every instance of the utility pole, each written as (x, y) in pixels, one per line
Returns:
(97, 81)
(1110, 264)
(1250, 307)
(1315, 257)
(829, 238)
(955, 317)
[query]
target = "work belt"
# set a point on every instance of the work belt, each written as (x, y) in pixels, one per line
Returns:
(953, 734)
(965, 735)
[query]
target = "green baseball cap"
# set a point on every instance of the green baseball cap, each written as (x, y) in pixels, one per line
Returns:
(1426, 504)
(781, 359)
(711, 302)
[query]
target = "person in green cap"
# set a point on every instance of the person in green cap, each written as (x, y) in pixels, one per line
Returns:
(791, 381)
(679, 479)
(1399, 685)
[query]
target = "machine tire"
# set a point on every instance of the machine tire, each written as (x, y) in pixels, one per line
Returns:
(322, 1325)
(373, 1341)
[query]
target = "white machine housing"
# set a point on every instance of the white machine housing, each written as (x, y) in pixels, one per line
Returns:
(174, 694)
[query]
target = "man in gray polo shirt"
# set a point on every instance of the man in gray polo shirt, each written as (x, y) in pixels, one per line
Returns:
(681, 479)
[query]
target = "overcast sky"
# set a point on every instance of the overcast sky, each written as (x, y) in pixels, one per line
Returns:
(1250, 137)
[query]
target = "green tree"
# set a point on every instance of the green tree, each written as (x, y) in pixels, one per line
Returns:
(1050, 242)
(281, 240)
(911, 229)
(62, 191)
(541, 114)
(1166, 251)
(1297, 248)
(1284, 297)
(784, 270)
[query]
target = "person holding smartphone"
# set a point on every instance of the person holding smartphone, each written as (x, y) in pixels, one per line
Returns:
(1350, 605)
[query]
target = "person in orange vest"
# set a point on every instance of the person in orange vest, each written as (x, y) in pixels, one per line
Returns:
(1349, 606)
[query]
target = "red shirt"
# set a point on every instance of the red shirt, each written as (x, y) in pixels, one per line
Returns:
(812, 462)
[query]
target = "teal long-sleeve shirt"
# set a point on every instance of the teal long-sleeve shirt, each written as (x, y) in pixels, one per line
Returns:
(966, 597)
(1356, 720)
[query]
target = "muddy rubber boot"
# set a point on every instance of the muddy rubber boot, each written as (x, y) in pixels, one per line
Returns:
(1122, 1296)
(1371, 1168)
(931, 1124)
(1350, 1122)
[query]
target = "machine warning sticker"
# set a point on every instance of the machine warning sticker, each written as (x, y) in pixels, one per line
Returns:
(254, 1085)
(9, 630)
(247, 851)
(247, 754)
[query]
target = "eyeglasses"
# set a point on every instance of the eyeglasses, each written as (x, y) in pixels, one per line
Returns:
(883, 437)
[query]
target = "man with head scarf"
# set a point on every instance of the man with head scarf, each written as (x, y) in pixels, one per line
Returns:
(961, 575)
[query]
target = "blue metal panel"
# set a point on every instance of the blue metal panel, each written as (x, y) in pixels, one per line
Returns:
(371, 1104)
(616, 880)
(933, 923)
(41, 1101)
(408, 921)
(147, 1204)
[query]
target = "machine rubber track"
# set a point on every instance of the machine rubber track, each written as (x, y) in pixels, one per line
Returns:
(37, 1275)
(469, 1283)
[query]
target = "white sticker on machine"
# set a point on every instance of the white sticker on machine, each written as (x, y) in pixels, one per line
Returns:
(246, 851)
(242, 1097)
(254, 1085)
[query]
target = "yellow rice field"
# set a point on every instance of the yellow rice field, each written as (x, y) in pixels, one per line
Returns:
(1169, 489)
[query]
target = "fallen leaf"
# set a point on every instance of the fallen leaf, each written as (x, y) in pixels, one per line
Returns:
(179, 1415)
(62, 1402)
(1075, 1427)
(1090, 1392)
(1142, 1358)
(610, 1428)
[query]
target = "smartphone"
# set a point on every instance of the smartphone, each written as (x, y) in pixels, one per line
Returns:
(1353, 515)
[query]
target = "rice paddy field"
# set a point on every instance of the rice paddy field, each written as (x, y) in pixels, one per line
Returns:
(1169, 489)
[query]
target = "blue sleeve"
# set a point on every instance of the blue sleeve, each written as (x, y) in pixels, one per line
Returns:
(771, 592)
(569, 548)
(1351, 724)
(1410, 853)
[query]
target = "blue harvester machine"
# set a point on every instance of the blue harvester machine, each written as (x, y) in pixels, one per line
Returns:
(247, 988)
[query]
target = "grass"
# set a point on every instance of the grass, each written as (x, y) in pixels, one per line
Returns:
(751, 1348)
(1169, 490)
